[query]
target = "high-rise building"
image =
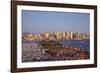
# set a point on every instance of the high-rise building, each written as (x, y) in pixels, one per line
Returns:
(86, 36)
(71, 35)
(46, 35)
(63, 35)
(59, 35)
(68, 35)
(78, 35)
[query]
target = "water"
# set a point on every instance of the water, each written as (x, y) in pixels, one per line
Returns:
(82, 44)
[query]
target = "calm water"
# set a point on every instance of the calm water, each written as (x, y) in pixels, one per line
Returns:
(82, 44)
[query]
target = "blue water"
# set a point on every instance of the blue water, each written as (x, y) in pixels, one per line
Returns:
(82, 44)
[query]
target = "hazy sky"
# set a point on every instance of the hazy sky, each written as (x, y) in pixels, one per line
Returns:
(43, 21)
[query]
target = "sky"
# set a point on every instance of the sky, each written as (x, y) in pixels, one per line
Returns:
(50, 21)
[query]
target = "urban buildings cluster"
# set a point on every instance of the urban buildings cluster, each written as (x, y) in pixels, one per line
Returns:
(56, 36)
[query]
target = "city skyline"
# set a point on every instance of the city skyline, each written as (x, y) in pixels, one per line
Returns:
(55, 36)
(43, 21)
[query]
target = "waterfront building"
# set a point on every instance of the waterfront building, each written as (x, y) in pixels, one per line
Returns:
(46, 35)
(69, 35)
(30, 37)
(63, 35)
(59, 35)
(86, 36)
(78, 35)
